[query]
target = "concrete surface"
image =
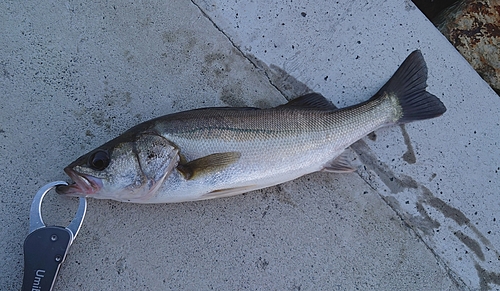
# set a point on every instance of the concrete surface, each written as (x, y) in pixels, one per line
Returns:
(420, 214)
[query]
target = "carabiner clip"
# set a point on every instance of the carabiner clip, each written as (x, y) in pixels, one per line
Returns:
(46, 247)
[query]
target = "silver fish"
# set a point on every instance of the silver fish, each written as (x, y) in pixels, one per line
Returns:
(218, 152)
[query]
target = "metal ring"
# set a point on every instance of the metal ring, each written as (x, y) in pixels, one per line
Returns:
(36, 220)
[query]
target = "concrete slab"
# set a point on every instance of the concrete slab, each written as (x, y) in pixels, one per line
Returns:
(418, 215)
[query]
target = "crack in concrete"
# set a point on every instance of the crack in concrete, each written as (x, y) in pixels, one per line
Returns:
(237, 48)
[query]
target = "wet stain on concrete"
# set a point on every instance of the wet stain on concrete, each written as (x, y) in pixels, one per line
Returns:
(262, 103)
(486, 278)
(370, 160)
(424, 222)
(472, 244)
(288, 85)
(117, 98)
(284, 196)
(128, 56)
(186, 37)
(180, 47)
(455, 214)
(3, 70)
(280, 193)
(101, 111)
(409, 155)
(392, 202)
(262, 264)
(113, 99)
(120, 265)
(233, 95)
(218, 64)
(447, 210)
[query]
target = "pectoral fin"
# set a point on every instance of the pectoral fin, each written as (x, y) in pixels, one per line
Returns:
(208, 164)
(339, 165)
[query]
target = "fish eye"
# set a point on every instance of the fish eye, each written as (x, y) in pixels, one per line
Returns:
(99, 160)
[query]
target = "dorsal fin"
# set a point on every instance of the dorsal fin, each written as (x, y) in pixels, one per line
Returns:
(310, 101)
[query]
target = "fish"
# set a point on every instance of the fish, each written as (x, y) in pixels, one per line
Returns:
(224, 151)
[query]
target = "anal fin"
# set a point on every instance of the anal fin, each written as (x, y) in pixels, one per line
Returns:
(227, 192)
(339, 165)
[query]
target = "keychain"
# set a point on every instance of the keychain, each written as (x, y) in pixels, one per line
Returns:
(46, 247)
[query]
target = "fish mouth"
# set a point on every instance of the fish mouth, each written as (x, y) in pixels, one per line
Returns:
(83, 185)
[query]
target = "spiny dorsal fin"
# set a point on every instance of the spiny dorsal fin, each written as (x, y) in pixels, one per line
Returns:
(208, 164)
(310, 101)
(339, 165)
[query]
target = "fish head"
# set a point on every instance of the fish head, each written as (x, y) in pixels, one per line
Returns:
(128, 168)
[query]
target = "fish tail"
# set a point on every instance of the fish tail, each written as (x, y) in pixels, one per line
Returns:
(408, 86)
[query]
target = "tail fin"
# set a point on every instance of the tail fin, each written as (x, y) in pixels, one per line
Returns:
(408, 84)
